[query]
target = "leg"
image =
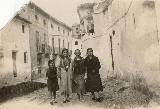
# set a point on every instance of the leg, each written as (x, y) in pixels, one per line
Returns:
(93, 96)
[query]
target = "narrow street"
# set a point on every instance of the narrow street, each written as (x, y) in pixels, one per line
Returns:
(112, 94)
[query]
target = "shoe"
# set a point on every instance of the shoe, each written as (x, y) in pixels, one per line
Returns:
(68, 100)
(93, 98)
(51, 102)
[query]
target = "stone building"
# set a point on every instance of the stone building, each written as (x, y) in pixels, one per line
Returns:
(47, 35)
(27, 42)
(85, 12)
(126, 37)
(15, 58)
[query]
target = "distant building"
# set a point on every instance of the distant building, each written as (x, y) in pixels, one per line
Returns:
(76, 38)
(85, 12)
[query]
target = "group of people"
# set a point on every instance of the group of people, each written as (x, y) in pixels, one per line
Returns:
(75, 76)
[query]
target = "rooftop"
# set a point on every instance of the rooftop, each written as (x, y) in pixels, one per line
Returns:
(48, 15)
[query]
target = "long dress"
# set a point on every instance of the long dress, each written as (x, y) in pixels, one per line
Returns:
(78, 75)
(93, 81)
(66, 75)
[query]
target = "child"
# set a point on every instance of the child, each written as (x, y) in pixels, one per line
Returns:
(52, 81)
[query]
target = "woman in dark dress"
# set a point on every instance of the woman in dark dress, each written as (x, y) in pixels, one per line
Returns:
(78, 70)
(93, 82)
(52, 81)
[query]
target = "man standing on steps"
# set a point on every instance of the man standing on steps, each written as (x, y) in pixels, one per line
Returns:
(93, 81)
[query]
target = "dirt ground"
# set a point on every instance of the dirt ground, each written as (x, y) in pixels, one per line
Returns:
(117, 94)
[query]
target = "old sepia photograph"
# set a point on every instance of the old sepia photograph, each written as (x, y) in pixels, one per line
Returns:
(79, 54)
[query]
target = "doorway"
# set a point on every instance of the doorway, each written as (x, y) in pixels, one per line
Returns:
(14, 55)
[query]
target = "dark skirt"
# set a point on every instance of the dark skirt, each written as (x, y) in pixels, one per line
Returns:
(52, 84)
(78, 84)
(93, 83)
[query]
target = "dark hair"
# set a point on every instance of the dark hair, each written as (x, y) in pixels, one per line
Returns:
(64, 49)
(78, 50)
(50, 61)
(89, 49)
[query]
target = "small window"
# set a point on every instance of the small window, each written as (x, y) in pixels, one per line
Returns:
(44, 22)
(63, 43)
(76, 42)
(51, 25)
(25, 57)
(58, 28)
(76, 28)
(36, 17)
(23, 29)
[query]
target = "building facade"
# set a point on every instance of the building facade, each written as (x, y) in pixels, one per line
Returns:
(27, 42)
(125, 42)
(15, 58)
(47, 36)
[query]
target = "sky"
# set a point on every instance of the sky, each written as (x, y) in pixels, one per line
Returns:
(63, 10)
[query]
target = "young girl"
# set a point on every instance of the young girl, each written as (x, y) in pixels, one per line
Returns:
(78, 75)
(66, 75)
(52, 81)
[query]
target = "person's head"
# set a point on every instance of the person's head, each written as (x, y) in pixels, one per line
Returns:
(90, 52)
(51, 64)
(77, 52)
(65, 52)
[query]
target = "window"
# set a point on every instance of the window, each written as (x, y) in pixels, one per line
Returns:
(59, 43)
(63, 31)
(43, 48)
(63, 43)
(52, 26)
(53, 44)
(134, 21)
(58, 28)
(37, 40)
(23, 29)
(68, 45)
(76, 42)
(25, 57)
(44, 22)
(36, 17)
(1, 59)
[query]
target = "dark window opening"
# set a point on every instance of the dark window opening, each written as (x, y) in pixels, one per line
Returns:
(58, 28)
(63, 43)
(44, 22)
(23, 29)
(36, 17)
(51, 25)
(43, 48)
(59, 44)
(25, 57)
(76, 42)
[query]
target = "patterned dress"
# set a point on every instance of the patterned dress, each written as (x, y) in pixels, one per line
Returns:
(78, 75)
(66, 75)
